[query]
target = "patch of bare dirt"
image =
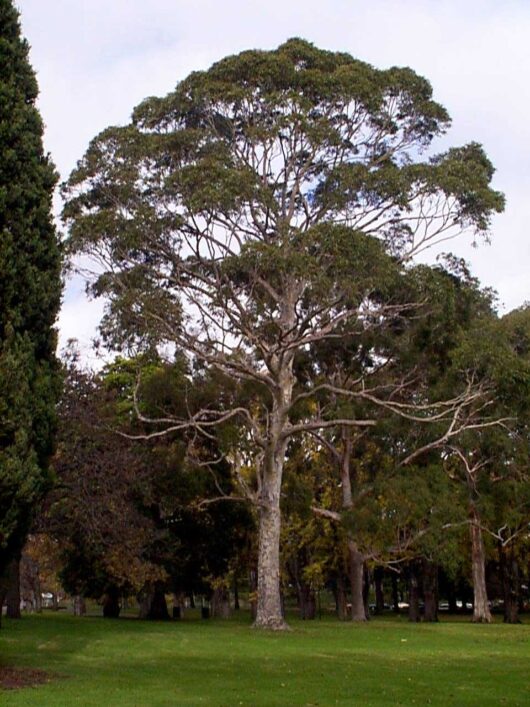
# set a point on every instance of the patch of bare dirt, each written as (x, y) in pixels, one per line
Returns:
(15, 678)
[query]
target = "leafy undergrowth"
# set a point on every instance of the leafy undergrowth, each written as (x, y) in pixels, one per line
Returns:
(127, 662)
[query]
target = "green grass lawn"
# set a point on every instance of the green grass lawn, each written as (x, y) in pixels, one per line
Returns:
(128, 662)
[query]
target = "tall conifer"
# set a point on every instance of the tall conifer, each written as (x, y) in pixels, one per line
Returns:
(30, 291)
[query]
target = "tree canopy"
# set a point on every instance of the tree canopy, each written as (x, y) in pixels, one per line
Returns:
(268, 203)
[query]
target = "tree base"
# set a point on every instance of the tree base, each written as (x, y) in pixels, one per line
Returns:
(481, 619)
(358, 619)
(271, 624)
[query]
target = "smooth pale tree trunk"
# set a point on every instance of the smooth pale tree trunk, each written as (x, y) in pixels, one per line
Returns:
(253, 592)
(367, 582)
(355, 557)
(269, 614)
(13, 590)
(79, 605)
(430, 590)
(3, 593)
(481, 610)
(414, 594)
(356, 577)
(144, 599)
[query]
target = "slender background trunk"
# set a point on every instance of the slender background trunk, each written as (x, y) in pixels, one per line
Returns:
(355, 557)
(253, 591)
(340, 599)
(510, 585)
(379, 592)
(356, 576)
(395, 593)
(481, 610)
(414, 593)
(79, 606)
(13, 589)
(221, 603)
(430, 590)
(111, 604)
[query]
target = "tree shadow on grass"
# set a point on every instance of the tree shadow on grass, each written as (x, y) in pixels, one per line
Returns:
(12, 678)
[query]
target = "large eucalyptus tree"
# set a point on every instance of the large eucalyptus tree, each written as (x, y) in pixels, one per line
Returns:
(264, 204)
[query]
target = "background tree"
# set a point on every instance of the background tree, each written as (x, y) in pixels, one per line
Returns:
(92, 513)
(30, 290)
(418, 353)
(188, 496)
(256, 209)
(512, 496)
(472, 341)
(129, 518)
(493, 462)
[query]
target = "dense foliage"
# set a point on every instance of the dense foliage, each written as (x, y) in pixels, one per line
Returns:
(30, 290)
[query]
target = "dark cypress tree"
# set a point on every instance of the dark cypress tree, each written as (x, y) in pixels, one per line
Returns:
(30, 292)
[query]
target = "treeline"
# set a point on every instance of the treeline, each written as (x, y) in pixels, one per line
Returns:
(376, 518)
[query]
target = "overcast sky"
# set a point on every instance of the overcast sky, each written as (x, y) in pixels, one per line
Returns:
(97, 59)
